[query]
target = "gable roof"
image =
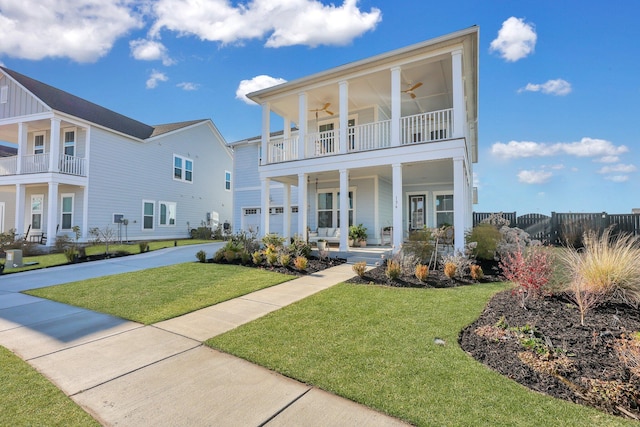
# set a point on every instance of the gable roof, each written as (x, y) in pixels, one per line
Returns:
(170, 127)
(65, 102)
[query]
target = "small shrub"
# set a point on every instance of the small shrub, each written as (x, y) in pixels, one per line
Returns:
(299, 247)
(628, 351)
(420, 245)
(245, 257)
(248, 241)
(497, 220)
(284, 259)
(219, 255)
(393, 270)
(476, 272)
(202, 233)
(271, 258)
(300, 263)
(62, 241)
(450, 269)
(513, 239)
(144, 247)
(256, 257)
(461, 262)
(70, 253)
(359, 268)
(201, 256)
(486, 237)
(422, 272)
(273, 240)
(230, 255)
(530, 272)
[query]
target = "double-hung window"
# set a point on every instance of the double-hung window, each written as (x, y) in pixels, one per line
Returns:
(227, 180)
(167, 214)
(38, 143)
(148, 214)
(182, 168)
(67, 211)
(444, 209)
(70, 142)
(37, 201)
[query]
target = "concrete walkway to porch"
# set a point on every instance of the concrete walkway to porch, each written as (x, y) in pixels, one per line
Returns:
(128, 374)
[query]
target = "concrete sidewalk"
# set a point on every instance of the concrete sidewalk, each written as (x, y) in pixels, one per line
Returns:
(128, 374)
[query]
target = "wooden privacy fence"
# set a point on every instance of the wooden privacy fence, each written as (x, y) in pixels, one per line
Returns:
(566, 228)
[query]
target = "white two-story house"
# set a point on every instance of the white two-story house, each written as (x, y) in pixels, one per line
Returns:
(391, 138)
(79, 164)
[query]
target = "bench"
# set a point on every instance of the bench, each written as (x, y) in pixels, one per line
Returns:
(331, 235)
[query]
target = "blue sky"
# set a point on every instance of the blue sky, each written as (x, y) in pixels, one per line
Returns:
(558, 120)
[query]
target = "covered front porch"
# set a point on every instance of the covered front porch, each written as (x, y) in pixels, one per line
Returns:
(403, 196)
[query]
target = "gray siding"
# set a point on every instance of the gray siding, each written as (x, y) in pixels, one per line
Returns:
(19, 101)
(123, 173)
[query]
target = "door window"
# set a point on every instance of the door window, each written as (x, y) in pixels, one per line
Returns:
(417, 211)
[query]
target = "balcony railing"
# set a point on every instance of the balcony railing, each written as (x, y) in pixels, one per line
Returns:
(420, 128)
(39, 163)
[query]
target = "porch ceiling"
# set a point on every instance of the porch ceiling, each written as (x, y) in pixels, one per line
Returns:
(9, 132)
(374, 88)
(432, 172)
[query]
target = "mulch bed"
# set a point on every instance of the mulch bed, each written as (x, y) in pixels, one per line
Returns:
(314, 265)
(545, 348)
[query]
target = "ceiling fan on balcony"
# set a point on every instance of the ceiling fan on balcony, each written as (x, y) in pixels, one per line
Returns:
(324, 108)
(411, 89)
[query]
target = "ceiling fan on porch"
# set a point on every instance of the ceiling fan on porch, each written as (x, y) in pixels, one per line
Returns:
(411, 89)
(324, 108)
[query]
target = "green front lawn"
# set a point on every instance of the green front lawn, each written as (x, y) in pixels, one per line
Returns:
(375, 345)
(52, 260)
(29, 399)
(153, 295)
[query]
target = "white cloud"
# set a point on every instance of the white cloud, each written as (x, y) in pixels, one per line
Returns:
(556, 87)
(286, 22)
(608, 159)
(255, 84)
(534, 177)
(619, 168)
(586, 147)
(150, 50)
(617, 178)
(516, 39)
(83, 30)
(156, 76)
(188, 86)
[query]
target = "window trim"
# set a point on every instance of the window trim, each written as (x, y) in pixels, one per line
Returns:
(62, 212)
(167, 204)
(71, 144)
(227, 182)
(335, 209)
(35, 137)
(153, 215)
(4, 94)
(435, 207)
(40, 212)
(183, 168)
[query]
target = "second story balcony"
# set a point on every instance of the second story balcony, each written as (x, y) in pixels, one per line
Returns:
(428, 127)
(40, 163)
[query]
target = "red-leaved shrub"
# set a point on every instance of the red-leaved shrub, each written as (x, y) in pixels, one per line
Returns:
(530, 272)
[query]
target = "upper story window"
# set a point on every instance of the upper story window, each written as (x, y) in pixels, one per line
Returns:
(38, 143)
(227, 180)
(182, 168)
(70, 142)
(4, 94)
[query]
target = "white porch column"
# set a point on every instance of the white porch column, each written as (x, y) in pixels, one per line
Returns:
(302, 125)
(459, 110)
(286, 213)
(459, 204)
(344, 116)
(20, 210)
(22, 145)
(54, 146)
(85, 213)
(398, 204)
(266, 132)
(52, 213)
(302, 206)
(265, 204)
(344, 210)
(396, 106)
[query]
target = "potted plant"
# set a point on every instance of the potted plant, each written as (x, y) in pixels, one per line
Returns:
(322, 245)
(359, 234)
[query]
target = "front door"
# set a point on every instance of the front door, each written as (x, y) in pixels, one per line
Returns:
(417, 212)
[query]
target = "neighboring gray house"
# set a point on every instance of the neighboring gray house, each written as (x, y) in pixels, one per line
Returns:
(393, 138)
(79, 164)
